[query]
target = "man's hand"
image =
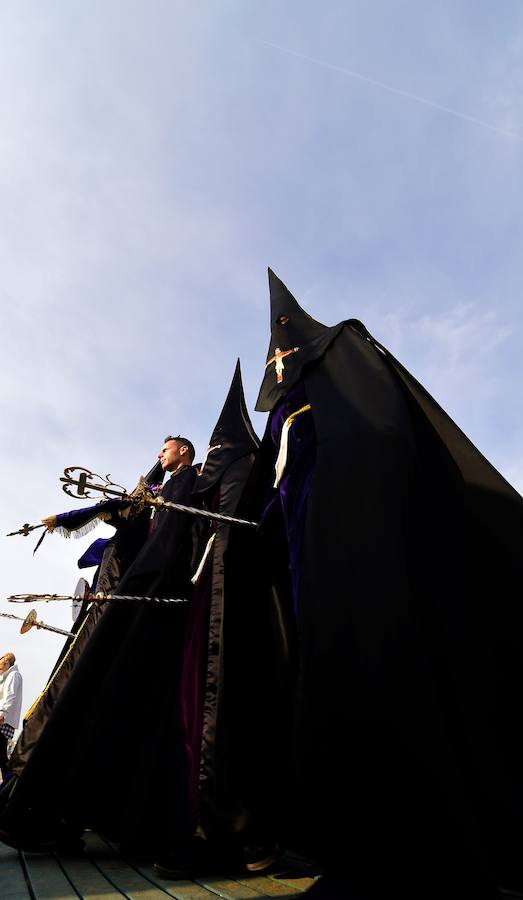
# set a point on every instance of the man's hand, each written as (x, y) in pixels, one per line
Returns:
(2, 720)
(50, 522)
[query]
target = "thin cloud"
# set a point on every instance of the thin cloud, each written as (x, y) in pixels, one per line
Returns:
(394, 90)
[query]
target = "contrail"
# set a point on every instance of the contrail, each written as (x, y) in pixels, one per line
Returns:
(398, 91)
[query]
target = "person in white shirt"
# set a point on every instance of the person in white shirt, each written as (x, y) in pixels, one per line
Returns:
(10, 705)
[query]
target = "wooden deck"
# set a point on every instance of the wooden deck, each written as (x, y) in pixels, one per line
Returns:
(101, 873)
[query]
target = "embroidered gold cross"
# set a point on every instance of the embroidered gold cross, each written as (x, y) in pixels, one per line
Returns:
(277, 359)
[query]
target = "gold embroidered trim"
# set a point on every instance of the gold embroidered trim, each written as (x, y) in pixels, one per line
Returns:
(281, 460)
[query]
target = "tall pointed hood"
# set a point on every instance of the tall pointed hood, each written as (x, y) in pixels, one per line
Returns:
(296, 339)
(155, 475)
(232, 438)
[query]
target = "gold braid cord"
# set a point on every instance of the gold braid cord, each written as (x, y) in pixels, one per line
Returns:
(40, 697)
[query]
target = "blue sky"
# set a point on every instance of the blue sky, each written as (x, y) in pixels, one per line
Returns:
(156, 157)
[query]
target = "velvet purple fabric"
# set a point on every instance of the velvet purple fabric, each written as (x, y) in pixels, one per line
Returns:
(78, 518)
(94, 553)
(294, 486)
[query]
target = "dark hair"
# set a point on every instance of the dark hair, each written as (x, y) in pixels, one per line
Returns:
(182, 442)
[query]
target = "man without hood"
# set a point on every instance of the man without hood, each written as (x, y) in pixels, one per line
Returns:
(10, 706)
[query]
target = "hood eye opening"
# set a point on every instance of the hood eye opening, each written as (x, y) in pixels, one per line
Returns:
(283, 319)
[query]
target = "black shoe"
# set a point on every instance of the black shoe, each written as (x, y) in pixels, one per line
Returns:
(187, 859)
(260, 858)
(174, 868)
(27, 842)
(70, 845)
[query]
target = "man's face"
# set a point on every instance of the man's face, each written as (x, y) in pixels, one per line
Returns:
(5, 664)
(170, 456)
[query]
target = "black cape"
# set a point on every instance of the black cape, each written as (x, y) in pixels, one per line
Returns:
(411, 604)
(406, 742)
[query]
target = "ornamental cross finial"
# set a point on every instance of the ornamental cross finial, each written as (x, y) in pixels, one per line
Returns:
(84, 483)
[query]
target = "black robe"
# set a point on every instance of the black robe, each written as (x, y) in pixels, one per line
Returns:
(119, 552)
(255, 788)
(204, 705)
(203, 691)
(406, 749)
(131, 530)
(106, 755)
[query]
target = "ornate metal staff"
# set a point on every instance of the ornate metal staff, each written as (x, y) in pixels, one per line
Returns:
(31, 621)
(141, 494)
(94, 598)
(82, 485)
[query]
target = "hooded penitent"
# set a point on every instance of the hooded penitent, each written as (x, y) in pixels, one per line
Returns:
(203, 696)
(404, 548)
(108, 737)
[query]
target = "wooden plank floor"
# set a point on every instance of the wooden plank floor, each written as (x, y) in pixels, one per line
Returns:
(101, 873)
